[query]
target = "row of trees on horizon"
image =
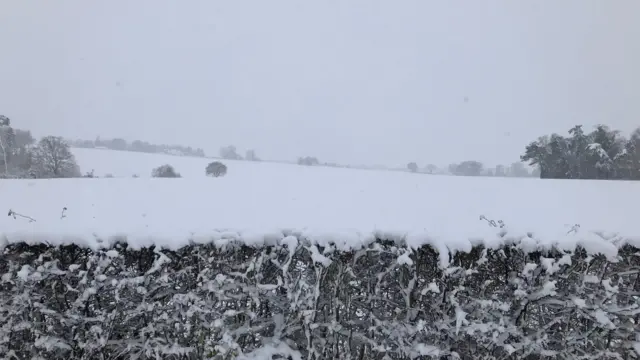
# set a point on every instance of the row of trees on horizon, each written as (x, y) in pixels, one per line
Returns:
(138, 146)
(477, 168)
(229, 152)
(603, 154)
(600, 154)
(51, 157)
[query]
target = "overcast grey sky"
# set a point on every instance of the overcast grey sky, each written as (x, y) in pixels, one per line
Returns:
(349, 81)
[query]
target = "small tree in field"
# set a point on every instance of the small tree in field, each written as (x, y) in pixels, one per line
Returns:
(230, 153)
(431, 169)
(216, 169)
(251, 156)
(308, 161)
(52, 158)
(165, 171)
(413, 167)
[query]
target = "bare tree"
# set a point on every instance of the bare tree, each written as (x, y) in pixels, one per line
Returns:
(3, 148)
(6, 134)
(52, 158)
(413, 167)
(15, 146)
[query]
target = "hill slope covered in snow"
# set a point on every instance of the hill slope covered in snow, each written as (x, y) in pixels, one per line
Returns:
(327, 264)
(129, 163)
(259, 202)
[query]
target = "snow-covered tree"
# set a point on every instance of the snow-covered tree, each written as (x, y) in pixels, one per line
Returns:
(431, 169)
(500, 171)
(251, 156)
(229, 153)
(517, 169)
(467, 168)
(165, 171)
(601, 154)
(216, 169)
(308, 161)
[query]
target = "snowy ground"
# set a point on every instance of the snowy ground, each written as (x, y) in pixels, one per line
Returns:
(128, 163)
(347, 206)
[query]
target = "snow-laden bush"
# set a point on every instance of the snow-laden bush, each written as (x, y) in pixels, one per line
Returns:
(165, 171)
(216, 169)
(311, 302)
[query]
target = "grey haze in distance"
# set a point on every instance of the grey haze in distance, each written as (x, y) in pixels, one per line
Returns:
(357, 82)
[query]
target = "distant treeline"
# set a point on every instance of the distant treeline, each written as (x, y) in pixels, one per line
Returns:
(139, 146)
(601, 154)
(477, 168)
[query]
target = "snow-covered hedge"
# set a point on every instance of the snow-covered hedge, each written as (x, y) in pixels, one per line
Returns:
(302, 301)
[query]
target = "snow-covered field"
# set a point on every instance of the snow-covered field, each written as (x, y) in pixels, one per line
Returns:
(265, 201)
(127, 163)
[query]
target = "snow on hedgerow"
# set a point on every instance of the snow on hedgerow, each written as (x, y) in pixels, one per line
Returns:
(350, 207)
(295, 299)
(410, 267)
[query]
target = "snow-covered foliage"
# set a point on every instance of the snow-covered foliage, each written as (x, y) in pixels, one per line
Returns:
(216, 169)
(601, 154)
(165, 171)
(298, 300)
(251, 155)
(320, 264)
(229, 153)
(308, 161)
(412, 166)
